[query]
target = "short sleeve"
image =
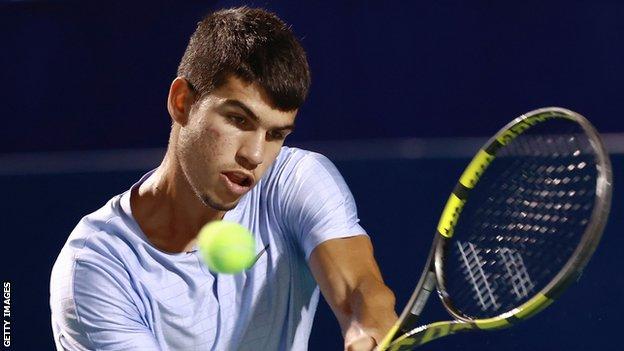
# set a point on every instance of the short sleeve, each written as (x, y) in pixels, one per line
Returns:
(319, 204)
(92, 309)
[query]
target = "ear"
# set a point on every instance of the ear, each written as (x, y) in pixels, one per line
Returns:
(179, 100)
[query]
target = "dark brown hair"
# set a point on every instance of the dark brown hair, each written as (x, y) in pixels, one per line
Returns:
(254, 45)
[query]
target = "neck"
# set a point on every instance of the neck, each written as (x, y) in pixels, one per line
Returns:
(168, 210)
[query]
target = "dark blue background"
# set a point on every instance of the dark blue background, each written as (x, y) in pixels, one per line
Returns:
(93, 74)
(81, 75)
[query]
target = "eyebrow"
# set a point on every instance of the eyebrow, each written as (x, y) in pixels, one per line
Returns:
(250, 114)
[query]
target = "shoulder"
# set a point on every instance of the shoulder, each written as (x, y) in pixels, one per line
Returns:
(303, 179)
(292, 163)
(93, 296)
(90, 272)
(297, 173)
(99, 239)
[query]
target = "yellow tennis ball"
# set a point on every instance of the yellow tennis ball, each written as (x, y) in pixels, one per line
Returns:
(226, 247)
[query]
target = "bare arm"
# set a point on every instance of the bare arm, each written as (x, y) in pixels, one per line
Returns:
(351, 282)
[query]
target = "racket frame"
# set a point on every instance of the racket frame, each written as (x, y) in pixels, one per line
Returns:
(404, 336)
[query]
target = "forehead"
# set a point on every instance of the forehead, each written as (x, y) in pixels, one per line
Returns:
(253, 96)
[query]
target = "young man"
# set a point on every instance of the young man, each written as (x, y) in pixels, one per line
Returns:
(130, 276)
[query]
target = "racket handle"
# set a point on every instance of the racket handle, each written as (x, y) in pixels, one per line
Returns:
(422, 296)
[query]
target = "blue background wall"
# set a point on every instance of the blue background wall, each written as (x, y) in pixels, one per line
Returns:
(93, 74)
(80, 75)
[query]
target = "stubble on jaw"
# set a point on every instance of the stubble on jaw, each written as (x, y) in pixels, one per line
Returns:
(209, 202)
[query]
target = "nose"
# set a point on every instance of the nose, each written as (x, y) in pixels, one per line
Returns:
(251, 152)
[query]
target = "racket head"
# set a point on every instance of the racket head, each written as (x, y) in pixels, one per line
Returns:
(527, 227)
(450, 229)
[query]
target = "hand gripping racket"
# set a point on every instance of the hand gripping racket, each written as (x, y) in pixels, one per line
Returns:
(519, 227)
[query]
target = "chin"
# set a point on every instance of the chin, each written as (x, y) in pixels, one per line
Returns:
(217, 205)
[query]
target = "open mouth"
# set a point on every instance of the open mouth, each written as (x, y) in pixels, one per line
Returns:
(239, 179)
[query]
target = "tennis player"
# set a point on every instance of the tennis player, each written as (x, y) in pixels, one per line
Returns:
(129, 276)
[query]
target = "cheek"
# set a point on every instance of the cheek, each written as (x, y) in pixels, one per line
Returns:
(198, 147)
(217, 143)
(213, 133)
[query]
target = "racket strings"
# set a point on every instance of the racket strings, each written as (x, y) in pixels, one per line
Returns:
(522, 222)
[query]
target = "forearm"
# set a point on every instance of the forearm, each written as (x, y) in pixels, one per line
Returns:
(351, 282)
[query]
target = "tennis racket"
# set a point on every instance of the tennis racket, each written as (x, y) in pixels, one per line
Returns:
(518, 228)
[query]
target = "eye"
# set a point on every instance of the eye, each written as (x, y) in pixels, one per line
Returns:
(277, 135)
(237, 119)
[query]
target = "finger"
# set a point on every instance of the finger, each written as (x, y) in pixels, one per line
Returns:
(364, 343)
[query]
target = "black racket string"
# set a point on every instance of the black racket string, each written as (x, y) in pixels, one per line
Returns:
(522, 221)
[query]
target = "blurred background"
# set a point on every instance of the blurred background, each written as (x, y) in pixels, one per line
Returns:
(403, 94)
